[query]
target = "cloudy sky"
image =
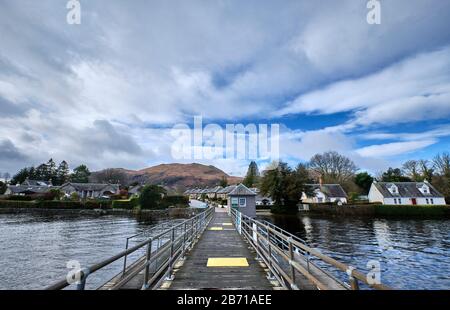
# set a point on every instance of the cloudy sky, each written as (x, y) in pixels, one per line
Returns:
(107, 92)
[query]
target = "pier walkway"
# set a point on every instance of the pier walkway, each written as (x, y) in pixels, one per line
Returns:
(220, 260)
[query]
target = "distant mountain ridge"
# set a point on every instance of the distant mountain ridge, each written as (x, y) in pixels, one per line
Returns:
(178, 176)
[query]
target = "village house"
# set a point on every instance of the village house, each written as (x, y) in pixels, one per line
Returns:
(212, 192)
(135, 190)
(242, 199)
(325, 193)
(223, 193)
(405, 193)
(90, 190)
(29, 187)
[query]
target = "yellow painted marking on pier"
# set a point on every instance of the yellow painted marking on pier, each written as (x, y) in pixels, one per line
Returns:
(216, 228)
(227, 262)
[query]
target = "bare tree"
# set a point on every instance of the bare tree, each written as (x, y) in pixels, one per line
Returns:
(426, 170)
(113, 176)
(332, 167)
(441, 164)
(411, 170)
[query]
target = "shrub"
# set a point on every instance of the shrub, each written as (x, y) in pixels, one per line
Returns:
(151, 196)
(128, 204)
(179, 201)
(20, 198)
(17, 204)
(74, 196)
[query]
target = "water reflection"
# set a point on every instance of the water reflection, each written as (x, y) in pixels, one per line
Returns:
(414, 254)
(35, 249)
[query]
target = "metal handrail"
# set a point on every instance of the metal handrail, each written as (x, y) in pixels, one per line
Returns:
(160, 227)
(183, 235)
(273, 243)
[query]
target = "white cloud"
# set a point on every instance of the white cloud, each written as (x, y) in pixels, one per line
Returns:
(392, 149)
(131, 67)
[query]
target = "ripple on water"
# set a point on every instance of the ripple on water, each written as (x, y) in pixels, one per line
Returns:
(414, 254)
(35, 249)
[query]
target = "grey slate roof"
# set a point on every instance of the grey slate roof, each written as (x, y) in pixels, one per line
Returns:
(29, 189)
(407, 189)
(242, 190)
(90, 186)
(227, 189)
(35, 183)
(331, 190)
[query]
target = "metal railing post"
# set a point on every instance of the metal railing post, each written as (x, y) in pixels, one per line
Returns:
(147, 267)
(184, 239)
(125, 259)
(291, 257)
(269, 250)
(172, 238)
(81, 285)
(353, 281)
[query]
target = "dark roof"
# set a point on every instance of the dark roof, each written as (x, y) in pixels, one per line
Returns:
(135, 189)
(90, 186)
(406, 189)
(331, 190)
(242, 190)
(35, 183)
(18, 189)
(227, 189)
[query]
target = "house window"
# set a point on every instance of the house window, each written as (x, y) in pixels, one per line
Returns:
(242, 202)
(432, 201)
(428, 202)
(234, 202)
(399, 201)
(395, 200)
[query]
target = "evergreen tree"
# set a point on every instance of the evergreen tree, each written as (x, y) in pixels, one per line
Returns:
(252, 177)
(223, 182)
(80, 174)
(285, 186)
(151, 197)
(394, 175)
(51, 171)
(364, 181)
(21, 176)
(62, 174)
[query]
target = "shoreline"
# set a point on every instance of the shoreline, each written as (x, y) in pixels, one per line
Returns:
(143, 214)
(372, 211)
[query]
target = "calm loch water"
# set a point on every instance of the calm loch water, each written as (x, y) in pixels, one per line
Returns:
(34, 250)
(413, 253)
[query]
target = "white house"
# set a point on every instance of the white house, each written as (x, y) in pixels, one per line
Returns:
(325, 193)
(405, 193)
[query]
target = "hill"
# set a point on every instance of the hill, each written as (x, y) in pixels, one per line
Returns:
(175, 176)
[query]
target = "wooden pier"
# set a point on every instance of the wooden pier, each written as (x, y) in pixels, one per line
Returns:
(220, 240)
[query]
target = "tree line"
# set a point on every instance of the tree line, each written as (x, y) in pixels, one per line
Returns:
(285, 185)
(50, 172)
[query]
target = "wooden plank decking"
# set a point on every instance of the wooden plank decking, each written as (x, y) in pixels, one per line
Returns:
(193, 272)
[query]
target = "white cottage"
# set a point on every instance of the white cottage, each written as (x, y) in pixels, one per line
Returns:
(325, 193)
(405, 193)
